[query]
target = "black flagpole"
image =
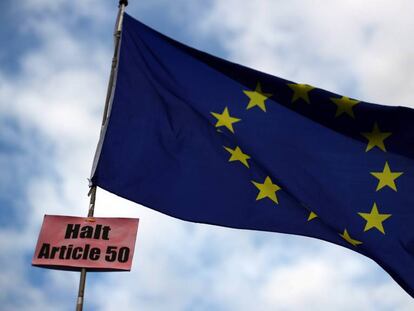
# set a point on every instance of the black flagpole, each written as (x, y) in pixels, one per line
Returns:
(92, 191)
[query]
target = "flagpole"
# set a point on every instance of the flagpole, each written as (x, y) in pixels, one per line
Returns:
(92, 192)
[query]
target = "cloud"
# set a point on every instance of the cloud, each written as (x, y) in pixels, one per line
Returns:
(55, 98)
(47, 106)
(361, 49)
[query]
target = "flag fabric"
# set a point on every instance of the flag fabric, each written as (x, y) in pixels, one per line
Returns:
(205, 140)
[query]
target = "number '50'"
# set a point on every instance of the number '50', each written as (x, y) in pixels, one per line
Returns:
(113, 254)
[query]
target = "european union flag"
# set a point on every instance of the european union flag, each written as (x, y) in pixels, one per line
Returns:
(206, 140)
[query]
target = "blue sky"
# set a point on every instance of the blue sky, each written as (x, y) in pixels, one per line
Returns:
(54, 65)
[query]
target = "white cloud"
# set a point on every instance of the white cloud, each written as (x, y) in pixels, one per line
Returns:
(363, 49)
(299, 286)
(58, 93)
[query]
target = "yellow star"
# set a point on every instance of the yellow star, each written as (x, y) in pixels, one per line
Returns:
(257, 97)
(224, 119)
(267, 190)
(344, 105)
(348, 238)
(374, 219)
(386, 178)
(312, 215)
(238, 155)
(376, 138)
(300, 91)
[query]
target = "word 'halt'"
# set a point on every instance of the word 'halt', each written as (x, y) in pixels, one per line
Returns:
(73, 231)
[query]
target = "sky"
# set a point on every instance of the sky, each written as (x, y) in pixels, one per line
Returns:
(55, 59)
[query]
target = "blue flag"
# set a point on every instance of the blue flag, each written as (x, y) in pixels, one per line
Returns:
(206, 140)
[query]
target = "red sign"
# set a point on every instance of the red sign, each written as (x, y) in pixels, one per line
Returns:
(77, 242)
